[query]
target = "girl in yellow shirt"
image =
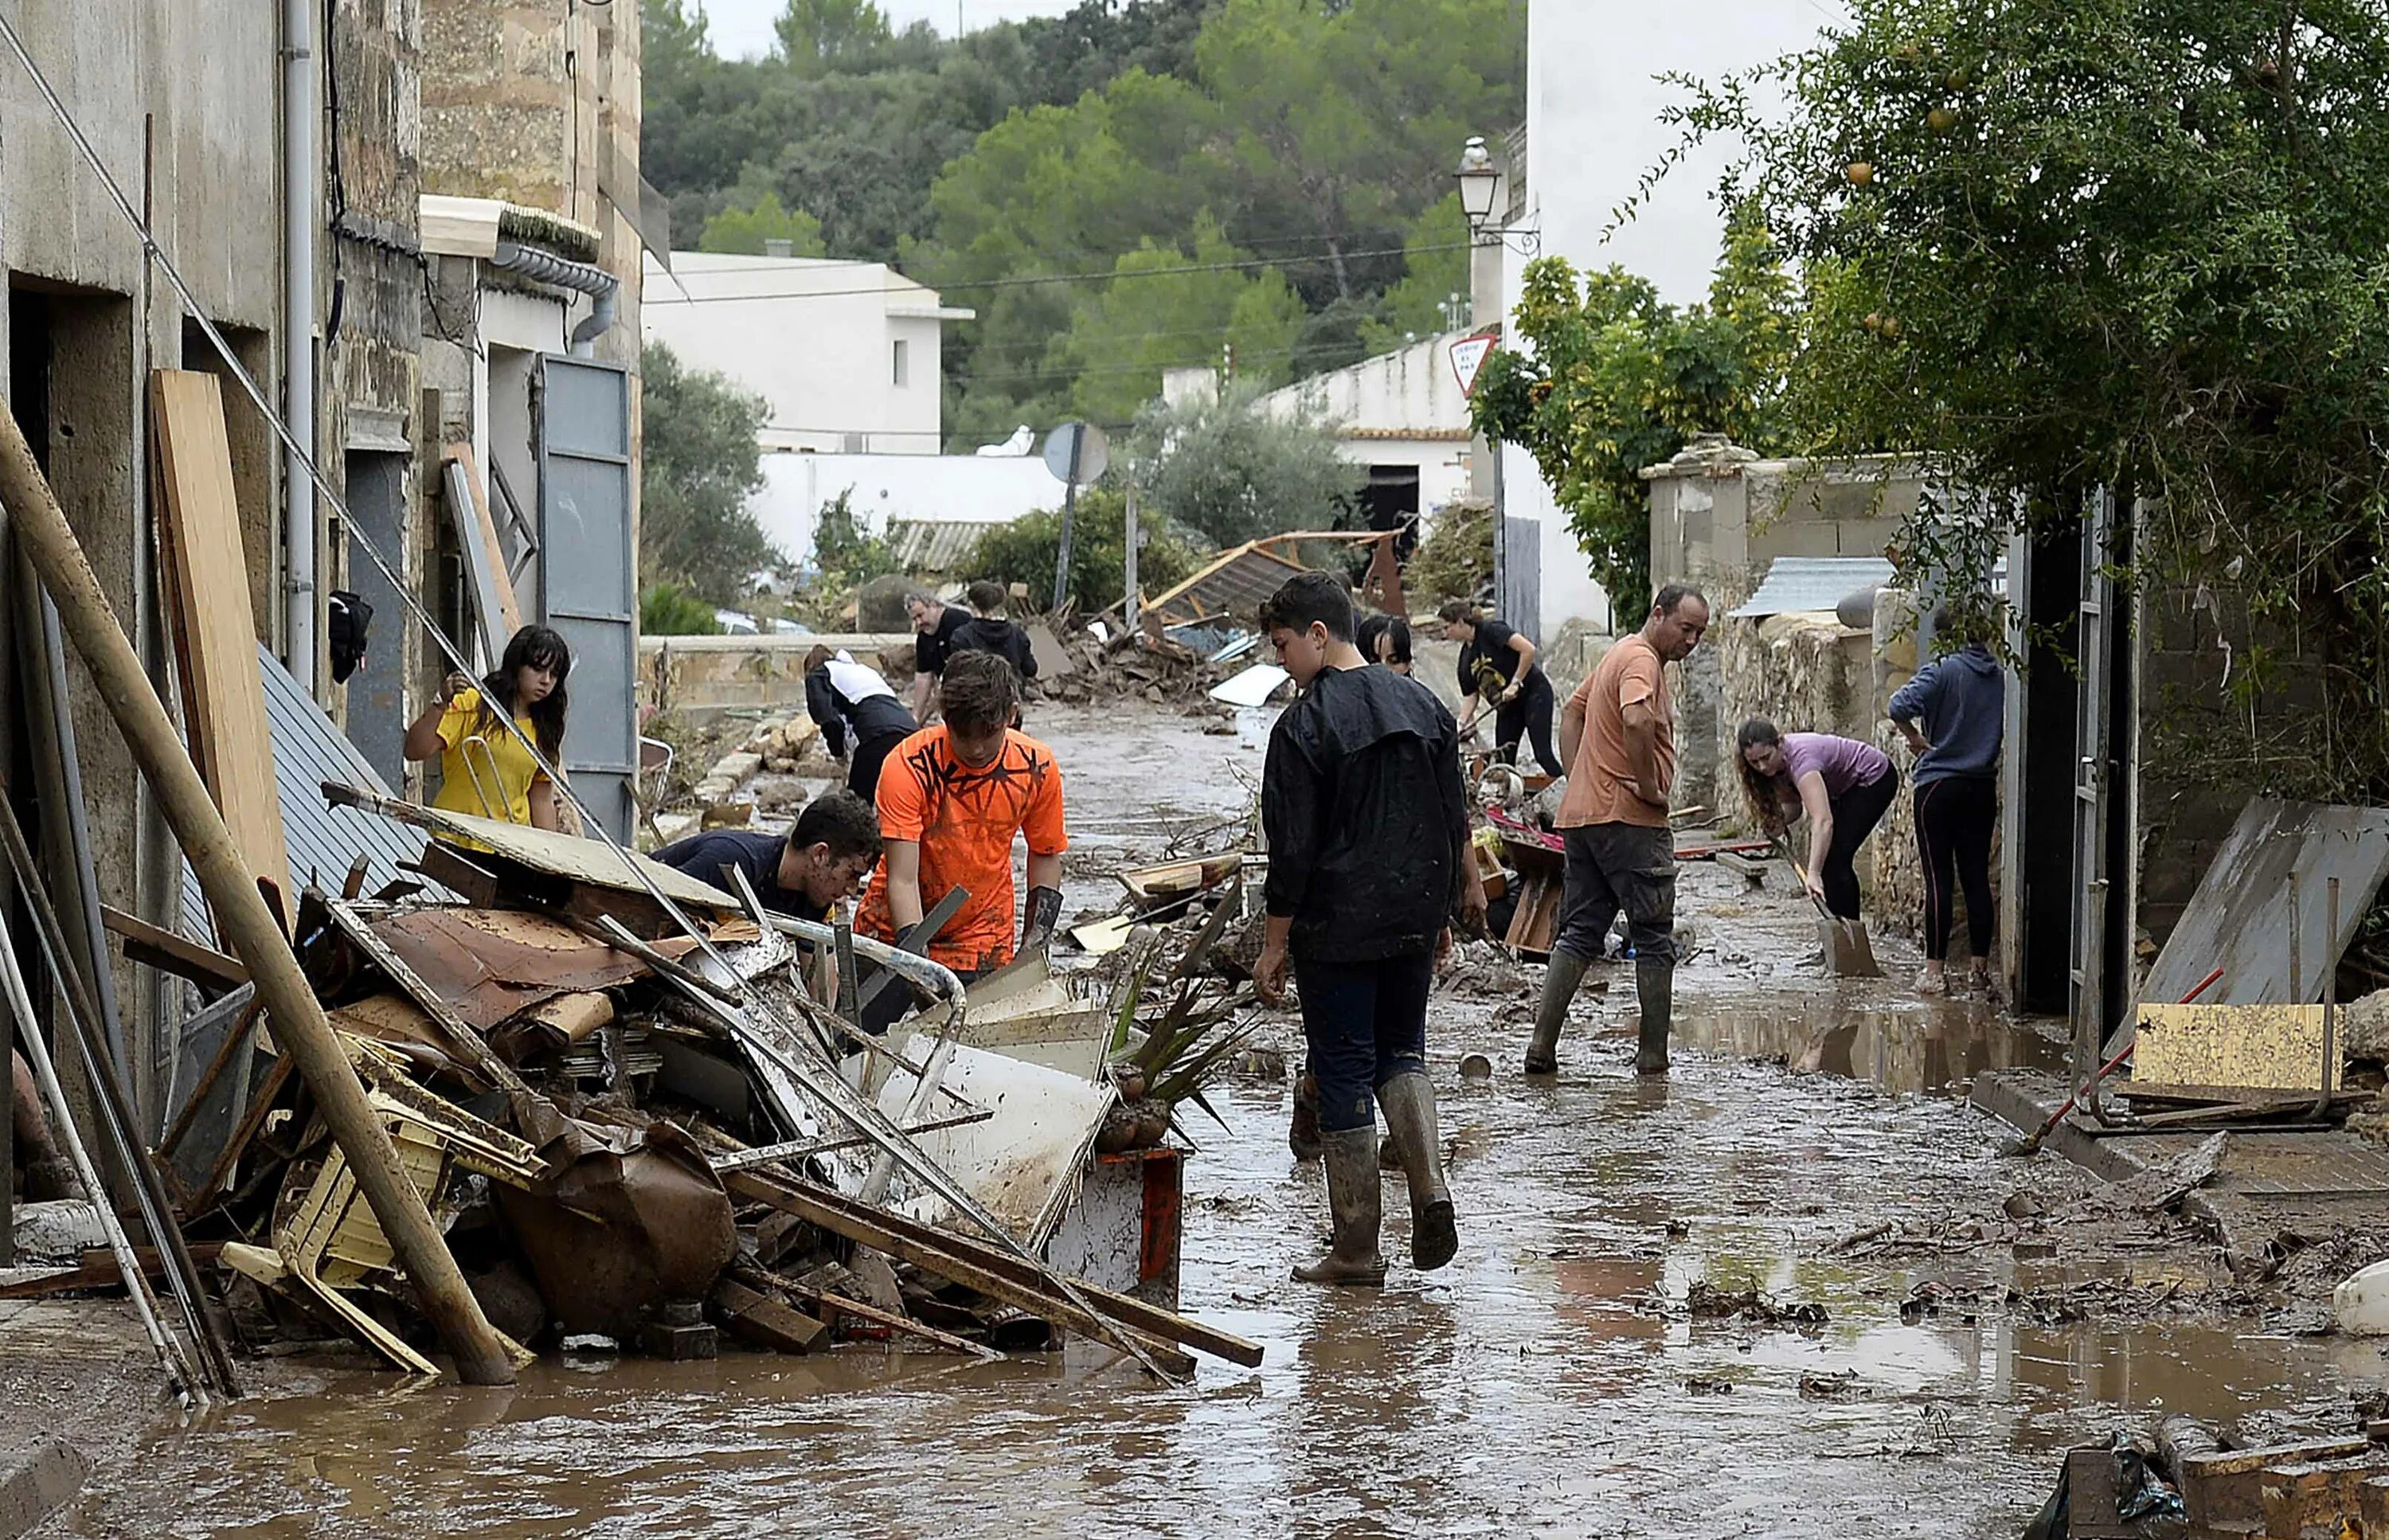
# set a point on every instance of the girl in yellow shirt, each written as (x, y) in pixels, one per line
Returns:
(484, 770)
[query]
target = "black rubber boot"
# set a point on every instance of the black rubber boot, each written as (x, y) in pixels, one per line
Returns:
(1655, 987)
(1302, 1134)
(1409, 1102)
(1561, 975)
(1357, 1209)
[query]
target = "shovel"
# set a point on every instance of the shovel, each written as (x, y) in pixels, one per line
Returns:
(1845, 940)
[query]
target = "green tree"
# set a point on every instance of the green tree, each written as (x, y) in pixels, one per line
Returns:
(1434, 263)
(744, 230)
(2065, 244)
(820, 34)
(699, 467)
(1168, 307)
(1024, 552)
(847, 554)
(1619, 379)
(667, 609)
(1231, 473)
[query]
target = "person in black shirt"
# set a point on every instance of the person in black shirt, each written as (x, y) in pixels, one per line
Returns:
(1497, 664)
(1368, 840)
(848, 699)
(992, 632)
(824, 858)
(936, 625)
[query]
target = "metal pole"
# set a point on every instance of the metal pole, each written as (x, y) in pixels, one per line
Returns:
(137, 1280)
(1129, 528)
(1069, 509)
(299, 332)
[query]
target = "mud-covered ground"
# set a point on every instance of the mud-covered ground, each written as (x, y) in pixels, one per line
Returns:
(1933, 1322)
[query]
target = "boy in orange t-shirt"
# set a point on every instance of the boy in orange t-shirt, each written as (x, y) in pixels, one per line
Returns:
(952, 798)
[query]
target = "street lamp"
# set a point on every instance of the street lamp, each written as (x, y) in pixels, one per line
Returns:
(1479, 179)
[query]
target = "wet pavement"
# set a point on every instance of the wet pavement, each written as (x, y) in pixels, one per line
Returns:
(1548, 1381)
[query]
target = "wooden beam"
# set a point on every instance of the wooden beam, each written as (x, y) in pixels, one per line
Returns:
(171, 953)
(198, 529)
(993, 1272)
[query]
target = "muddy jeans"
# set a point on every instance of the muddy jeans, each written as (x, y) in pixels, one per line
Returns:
(1366, 1022)
(1615, 866)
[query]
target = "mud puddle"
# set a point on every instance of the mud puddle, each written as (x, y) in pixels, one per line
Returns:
(1910, 1048)
(1551, 1380)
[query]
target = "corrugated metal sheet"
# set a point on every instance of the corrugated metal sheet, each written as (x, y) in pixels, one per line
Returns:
(320, 841)
(1808, 585)
(1234, 588)
(1799, 585)
(937, 544)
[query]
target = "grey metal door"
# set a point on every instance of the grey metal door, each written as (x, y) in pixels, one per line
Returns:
(378, 690)
(589, 590)
(1521, 597)
(2094, 649)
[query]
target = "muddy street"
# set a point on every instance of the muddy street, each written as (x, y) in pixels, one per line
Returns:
(1551, 1380)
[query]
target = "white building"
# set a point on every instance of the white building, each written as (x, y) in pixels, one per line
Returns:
(1593, 101)
(846, 354)
(1402, 416)
(908, 494)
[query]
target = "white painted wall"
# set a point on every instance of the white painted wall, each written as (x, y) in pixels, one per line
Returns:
(1403, 408)
(815, 338)
(962, 487)
(1593, 129)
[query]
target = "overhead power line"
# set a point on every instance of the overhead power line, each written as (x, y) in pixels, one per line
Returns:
(1036, 280)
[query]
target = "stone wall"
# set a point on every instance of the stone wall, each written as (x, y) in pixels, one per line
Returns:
(1808, 673)
(700, 674)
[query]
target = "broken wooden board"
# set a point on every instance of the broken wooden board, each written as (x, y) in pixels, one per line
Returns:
(494, 606)
(1053, 663)
(756, 1317)
(223, 699)
(2240, 1047)
(1176, 879)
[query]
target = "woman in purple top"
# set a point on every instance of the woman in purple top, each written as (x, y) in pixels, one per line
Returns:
(1844, 785)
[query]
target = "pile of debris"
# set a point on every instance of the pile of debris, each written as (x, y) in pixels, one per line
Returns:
(1131, 664)
(2197, 1481)
(640, 1133)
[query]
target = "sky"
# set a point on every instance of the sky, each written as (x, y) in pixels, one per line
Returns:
(744, 26)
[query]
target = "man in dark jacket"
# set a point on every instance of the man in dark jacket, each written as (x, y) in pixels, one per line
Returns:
(848, 699)
(823, 858)
(990, 632)
(1368, 838)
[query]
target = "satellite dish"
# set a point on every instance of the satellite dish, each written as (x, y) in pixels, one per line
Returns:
(1077, 453)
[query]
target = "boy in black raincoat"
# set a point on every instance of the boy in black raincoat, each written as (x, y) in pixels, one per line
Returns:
(1369, 864)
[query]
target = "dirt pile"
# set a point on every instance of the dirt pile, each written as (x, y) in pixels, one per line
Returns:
(1136, 666)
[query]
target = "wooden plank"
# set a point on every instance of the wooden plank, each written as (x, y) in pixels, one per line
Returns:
(223, 701)
(2242, 1047)
(171, 953)
(485, 558)
(877, 1316)
(764, 1321)
(948, 1256)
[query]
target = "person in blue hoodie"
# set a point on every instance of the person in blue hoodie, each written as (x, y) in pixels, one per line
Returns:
(1960, 701)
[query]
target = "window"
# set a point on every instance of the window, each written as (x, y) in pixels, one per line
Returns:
(902, 362)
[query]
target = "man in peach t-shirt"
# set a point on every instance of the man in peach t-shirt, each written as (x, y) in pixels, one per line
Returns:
(1619, 738)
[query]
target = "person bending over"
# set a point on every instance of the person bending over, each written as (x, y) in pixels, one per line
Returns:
(850, 701)
(1498, 665)
(823, 858)
(1844, 785)
(952, 798)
